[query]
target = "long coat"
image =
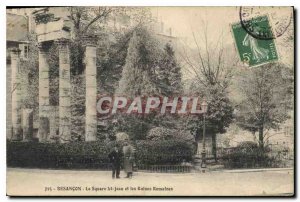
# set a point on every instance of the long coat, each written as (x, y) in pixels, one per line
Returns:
(115, 158)
(128, 158)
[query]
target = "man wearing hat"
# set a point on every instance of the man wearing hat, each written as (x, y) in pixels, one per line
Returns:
(115, 157)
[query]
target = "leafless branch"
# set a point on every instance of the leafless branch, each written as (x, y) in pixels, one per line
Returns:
(103, 13)
(202, 66)
(188, 61)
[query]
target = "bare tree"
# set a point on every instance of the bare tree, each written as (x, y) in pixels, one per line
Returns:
(267, 91)
(84, 17)
(207, 60)
(212, 74)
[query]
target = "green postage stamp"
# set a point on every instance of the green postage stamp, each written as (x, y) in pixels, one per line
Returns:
(254, 41)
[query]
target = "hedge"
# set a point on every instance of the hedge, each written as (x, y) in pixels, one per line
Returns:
(164, 152)
(93, 155)
(54, 155)
(248, 155)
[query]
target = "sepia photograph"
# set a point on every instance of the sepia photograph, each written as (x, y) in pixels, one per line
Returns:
(150, 101)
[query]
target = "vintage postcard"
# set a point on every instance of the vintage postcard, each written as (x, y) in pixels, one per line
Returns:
(150, 101)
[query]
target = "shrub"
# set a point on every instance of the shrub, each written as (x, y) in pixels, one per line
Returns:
(163, 152)
(248, 155)
(159, 133)
(162, 133)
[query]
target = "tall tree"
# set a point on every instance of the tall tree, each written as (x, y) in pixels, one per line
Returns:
(169, 77)
(267, 98)
(218, 117)
(138, 72)
(211, 74)
(139, 79)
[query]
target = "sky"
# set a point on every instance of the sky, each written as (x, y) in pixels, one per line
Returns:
(186, 20)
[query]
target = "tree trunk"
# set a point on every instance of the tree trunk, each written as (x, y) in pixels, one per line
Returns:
(214, 146)
(78, 63)
(261, 137)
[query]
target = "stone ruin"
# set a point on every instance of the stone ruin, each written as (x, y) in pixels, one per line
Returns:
(54, 126)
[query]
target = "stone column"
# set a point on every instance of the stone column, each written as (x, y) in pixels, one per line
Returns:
(43, 91)
(27, 124)
(44, 129)
(16, 95)
(64, 91)
(91, 89)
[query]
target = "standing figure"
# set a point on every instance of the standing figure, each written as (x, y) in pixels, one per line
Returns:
(128, 159)
(115, 159)
(258, 52)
